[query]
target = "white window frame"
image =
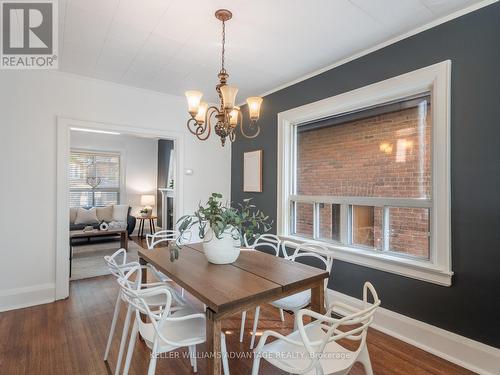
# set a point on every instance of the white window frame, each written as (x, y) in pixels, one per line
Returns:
(435, 79)
(122, 194)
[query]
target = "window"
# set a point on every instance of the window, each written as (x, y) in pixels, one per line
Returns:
(353, 160)
(94, 178)
(367, 173)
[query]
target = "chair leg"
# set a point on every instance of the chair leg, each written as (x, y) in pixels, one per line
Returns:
(282, 316)
(182, 292)
(152, 364)
(364, 359)
(295, 324)
(255, 322)
(223, 350)
(192, 356)
(113, 325)
(256, 364)
(131, 345)
(123, 339)
(242, 328)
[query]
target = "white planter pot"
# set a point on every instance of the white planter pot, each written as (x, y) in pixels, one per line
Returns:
(221, 251)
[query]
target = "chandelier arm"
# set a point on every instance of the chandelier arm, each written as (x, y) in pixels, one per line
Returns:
(202, 130)
(194, 127)
(246, 135)
(207, 126)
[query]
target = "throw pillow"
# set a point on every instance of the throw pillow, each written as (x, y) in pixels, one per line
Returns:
(72, 214)
(105, 213)
(84, 216)
(120, 212)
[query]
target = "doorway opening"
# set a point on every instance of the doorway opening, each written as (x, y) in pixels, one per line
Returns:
(115, 185)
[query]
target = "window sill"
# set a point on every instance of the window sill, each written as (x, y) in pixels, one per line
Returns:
(413, 268)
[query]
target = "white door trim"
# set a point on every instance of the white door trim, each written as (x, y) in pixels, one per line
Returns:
(62, 215)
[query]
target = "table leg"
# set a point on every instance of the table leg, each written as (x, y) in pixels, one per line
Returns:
(152, 226)
(141, 228)
(213, 332)
(318, 298)
(124, 240)
(144, 273)
(144, 280)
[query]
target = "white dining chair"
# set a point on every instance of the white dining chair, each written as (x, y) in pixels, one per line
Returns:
(265, 241)
(314, 348)
(165, 330)
(312, 252)
(118, 266)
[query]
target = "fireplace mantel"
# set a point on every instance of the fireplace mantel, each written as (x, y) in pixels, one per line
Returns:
(165, 193)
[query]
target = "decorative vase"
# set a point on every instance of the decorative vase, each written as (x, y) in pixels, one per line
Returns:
(221, 251)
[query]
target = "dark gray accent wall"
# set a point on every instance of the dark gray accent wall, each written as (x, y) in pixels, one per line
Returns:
(472, 43)
(164, 148)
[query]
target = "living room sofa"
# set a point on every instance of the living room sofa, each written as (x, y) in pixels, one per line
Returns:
(103, 214)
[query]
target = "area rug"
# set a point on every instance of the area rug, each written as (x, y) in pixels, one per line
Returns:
(88, 259)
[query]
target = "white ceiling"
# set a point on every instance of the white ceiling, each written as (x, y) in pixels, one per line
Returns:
(174, 45)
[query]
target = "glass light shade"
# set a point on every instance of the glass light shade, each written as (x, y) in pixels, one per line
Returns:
(233, 116)
(254, 103)
(193, 98)
(229, 96)
(147, 200)
(202, 110)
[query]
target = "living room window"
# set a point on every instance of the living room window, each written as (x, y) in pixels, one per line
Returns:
(367, 174)
(94, 178)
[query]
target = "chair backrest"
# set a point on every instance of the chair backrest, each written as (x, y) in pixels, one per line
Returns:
(355, 323)
(166, 236)
(137, 299)
(313, 251)
(116, 267)
(285, 245)
(265, 241)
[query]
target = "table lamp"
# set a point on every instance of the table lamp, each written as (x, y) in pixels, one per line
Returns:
(148, 201)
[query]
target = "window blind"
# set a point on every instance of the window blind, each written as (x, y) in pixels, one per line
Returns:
(94, 178)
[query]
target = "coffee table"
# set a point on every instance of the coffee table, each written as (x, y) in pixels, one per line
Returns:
(96, 233)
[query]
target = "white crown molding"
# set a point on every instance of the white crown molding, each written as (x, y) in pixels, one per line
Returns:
(462, 351)
(18, 298)
(388, 42)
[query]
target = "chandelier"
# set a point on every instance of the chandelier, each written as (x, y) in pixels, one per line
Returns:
(227, 116)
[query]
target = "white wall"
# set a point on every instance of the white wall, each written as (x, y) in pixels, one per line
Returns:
(139, 158)
(30, 102)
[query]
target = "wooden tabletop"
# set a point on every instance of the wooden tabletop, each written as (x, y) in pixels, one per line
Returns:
(254, 277)
(95, 232)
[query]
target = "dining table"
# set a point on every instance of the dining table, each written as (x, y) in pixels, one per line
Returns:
(255, 278)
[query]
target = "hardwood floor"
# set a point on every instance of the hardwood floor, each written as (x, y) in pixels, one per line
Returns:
(69, 337)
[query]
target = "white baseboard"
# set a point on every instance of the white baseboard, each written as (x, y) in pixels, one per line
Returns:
(19, 298)
(467, 353)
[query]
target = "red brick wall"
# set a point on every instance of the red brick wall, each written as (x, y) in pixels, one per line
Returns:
(386, 155)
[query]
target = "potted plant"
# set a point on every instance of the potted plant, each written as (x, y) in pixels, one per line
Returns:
(222, 227)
